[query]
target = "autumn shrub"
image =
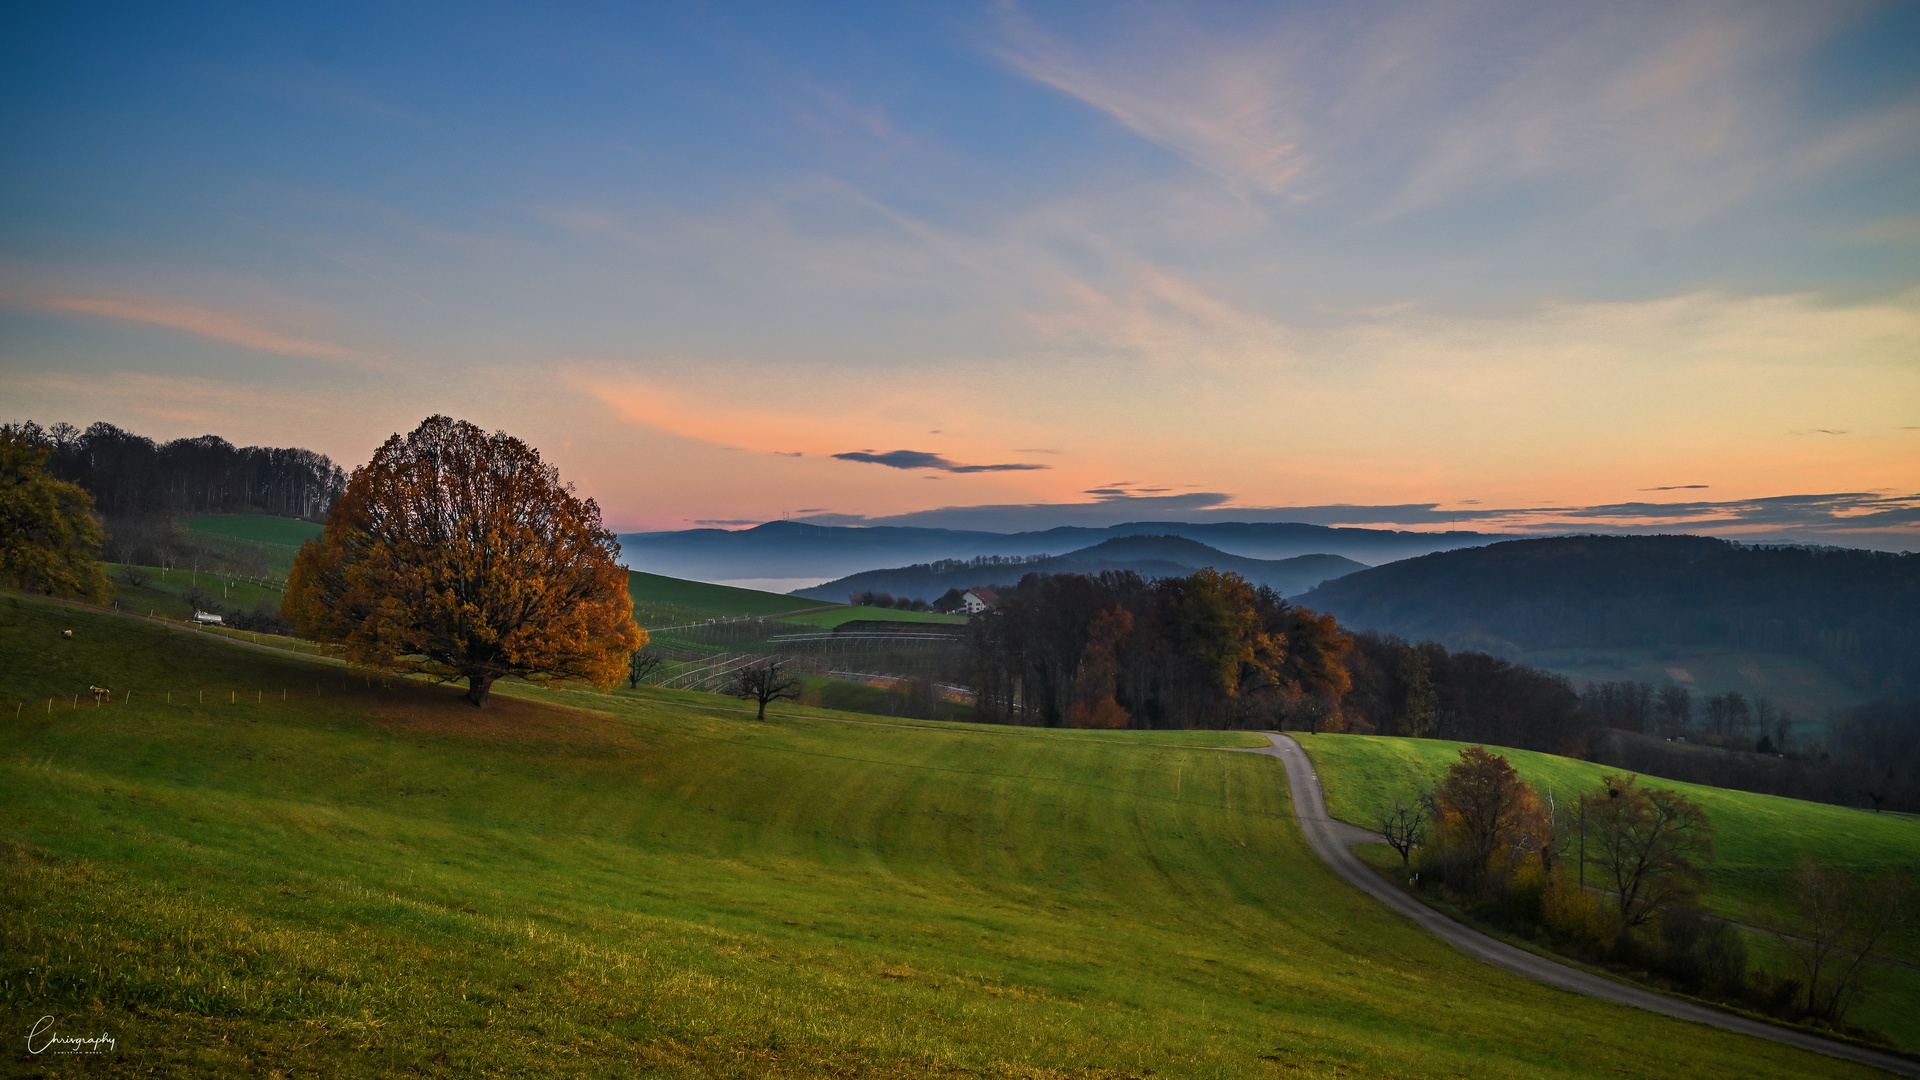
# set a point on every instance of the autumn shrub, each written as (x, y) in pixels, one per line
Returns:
(1578, 917)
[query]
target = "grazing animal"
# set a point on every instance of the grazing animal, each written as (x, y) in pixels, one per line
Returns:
(101, 693)
(66, 633)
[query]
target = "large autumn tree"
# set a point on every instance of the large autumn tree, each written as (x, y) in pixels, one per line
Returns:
(49, 541)
(460, 555)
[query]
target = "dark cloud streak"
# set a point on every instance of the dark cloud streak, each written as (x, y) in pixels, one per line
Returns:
(920, 459)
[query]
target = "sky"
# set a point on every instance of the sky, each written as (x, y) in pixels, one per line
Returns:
(1437, 265)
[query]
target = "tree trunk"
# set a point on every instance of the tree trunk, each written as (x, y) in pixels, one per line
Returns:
(477, 689)
(763, 708)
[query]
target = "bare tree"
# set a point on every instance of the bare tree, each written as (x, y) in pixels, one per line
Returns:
(1655, 844)
(1675, 710)
(1404, 824)
(641, 666)
(764, 681)
(1843, 919)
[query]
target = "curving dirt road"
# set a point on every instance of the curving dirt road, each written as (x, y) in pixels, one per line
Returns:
(1331, 840)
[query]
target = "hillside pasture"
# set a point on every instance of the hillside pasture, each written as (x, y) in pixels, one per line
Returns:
(1758, 839)
(865, 613)
(164, 591)
(667, 601)
(367, 881)
(254, 528)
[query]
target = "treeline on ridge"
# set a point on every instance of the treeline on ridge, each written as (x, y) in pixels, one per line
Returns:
(1211, 651)
(138, 485)
(131, 475)
(1857, 613)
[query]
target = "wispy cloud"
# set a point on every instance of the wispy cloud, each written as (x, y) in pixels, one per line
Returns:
(920, 459)
(1875, 519)
(1668, 110)
(223, 326)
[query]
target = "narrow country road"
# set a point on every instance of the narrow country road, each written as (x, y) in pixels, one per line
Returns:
(1330, 839)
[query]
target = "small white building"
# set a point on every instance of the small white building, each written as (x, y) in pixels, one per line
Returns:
(975, 601)
(207, 618)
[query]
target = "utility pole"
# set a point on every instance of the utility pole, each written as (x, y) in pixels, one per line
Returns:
(1583, 844)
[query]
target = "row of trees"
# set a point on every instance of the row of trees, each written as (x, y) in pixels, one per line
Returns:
(1209, 650)
(1617, 876)
(1729, 719)
(132, 476)
(869, 598)
(1114, 650)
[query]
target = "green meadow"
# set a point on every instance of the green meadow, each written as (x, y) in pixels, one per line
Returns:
(666, 601)
(253, 528)
(266, 866)
(163, 591)
(844, 614)
(1758, 840)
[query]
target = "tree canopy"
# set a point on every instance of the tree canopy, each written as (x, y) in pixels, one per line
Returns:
(49, 541)
(460, 555)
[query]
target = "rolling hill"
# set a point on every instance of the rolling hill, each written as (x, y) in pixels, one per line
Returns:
(351, 879)
(1829, 625)
(790, 549)
(1149, 556)
(1758, 839)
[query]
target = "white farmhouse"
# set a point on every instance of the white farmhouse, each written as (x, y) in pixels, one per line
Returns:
(975, 601)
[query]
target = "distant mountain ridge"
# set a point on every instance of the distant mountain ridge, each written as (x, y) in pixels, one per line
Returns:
(796, 549)
(1148, 556)
(1854, 612)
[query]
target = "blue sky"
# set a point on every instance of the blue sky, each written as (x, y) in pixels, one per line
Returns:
(1522, 266)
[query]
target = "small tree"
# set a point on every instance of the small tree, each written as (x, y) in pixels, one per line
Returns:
(460, 555)
(641, 666)
(1404, 824)
(1488, 821)
(764, 681)
(1843, 920)
(1654, 844)
(49, 541)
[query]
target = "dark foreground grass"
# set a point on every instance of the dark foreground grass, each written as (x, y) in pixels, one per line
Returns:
(1758, 839)
(356, 882)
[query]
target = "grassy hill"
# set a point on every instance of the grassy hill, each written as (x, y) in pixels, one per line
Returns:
(1609, 606)
(362, 881)
(164, 592)
(666, 601)
(254, 528)
(846, 614)
(1758, 838)
(261, 544)
(1149, 556)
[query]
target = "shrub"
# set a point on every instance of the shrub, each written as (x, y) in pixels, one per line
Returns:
(1578, 916)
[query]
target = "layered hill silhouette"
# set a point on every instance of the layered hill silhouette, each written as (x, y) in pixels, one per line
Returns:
(1148, 556)
(1855, 613)
(799, 549)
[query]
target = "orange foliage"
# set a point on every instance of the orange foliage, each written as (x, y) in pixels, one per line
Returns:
(1489, 822)
(461, 555)
(1094, 705)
